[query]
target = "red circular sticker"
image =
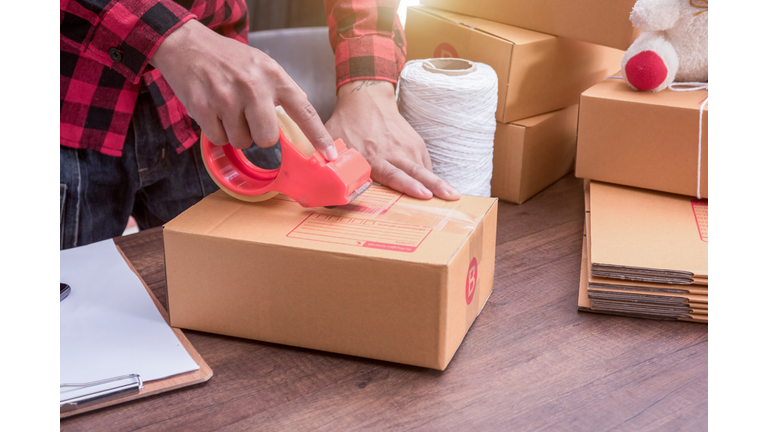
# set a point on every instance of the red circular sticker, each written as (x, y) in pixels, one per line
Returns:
(469, 292)
(445, 50)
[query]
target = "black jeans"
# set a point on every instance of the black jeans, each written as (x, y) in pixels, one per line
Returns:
(150, 181)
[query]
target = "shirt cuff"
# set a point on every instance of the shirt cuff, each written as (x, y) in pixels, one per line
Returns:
(129, 32)
(372, 56)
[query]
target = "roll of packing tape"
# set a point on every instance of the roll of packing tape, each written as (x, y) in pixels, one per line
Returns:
(304, 174)
(257, 177)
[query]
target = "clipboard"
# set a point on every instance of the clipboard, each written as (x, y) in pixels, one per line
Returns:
(141, 389)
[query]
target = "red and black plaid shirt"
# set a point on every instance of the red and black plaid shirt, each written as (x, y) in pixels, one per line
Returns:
(106, 46)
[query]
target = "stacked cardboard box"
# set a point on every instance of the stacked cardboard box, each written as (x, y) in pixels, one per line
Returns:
(540, 79)
(644, 160)
(597, 21)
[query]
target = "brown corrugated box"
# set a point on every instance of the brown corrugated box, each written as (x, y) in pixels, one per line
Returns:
(639, 234)
(531, 154)
(643, 139)
(538, 73)
(387, 277)
(596, 21)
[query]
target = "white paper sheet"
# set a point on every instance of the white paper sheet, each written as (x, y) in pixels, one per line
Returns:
(109, 326)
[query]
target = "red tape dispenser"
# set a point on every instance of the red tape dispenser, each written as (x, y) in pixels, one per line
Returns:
(304, 174)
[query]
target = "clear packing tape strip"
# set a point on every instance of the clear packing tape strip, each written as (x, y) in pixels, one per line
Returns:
(684, 87)
(385, 205)
(403, 210)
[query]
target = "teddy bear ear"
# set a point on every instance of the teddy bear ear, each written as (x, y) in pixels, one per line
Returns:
(658, 15)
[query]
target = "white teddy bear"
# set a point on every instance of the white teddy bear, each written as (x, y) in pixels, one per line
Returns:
(671, 47)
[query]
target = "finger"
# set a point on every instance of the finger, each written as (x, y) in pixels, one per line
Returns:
(302, 112)
(439, 187)
(389, 175)
(262, 123)
(213, 129)
(426, 159)
(236, 127)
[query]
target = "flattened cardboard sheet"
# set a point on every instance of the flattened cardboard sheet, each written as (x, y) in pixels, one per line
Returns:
(585, 304)
(637, 234)
(661, 299)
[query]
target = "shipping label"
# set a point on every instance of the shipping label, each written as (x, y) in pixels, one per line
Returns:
(354, 231)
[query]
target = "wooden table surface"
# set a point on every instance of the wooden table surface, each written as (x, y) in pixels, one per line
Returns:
(530, 361)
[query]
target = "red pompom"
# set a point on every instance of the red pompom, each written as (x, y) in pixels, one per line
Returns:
(646, 71)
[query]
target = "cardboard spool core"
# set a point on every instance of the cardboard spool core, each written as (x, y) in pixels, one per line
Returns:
(449, 66)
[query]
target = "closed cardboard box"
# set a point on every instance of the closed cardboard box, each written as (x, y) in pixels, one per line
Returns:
(533, 153)
(596, 21)
(387, 277)
(641, 139)
(538, 73)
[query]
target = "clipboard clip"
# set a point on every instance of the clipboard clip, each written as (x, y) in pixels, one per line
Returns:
(101, 395)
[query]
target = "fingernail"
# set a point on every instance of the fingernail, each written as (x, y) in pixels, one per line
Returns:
(330, 153)
(425, 191)
(451, 192)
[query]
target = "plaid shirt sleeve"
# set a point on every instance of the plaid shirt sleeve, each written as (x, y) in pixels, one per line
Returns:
(105, 46)
(367, 39)
(122, 35)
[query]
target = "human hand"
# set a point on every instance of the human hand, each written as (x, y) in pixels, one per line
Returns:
(231, 89)
(366, 118)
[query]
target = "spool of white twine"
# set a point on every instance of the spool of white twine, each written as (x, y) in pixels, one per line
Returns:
(451, 104)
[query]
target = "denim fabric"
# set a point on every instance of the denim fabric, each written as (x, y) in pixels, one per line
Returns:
(150, 181)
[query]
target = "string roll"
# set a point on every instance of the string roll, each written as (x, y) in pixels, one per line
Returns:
(451, 104)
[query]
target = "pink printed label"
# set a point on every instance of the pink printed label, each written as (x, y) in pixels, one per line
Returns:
(374, 201)
(445, 50)
(700, 213)
(353, 231)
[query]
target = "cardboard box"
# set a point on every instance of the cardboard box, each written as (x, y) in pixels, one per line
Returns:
(531, 154)
(388, 277)
(596, 21)
(648, 236)
(538, 73)
(640, 139)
